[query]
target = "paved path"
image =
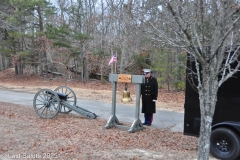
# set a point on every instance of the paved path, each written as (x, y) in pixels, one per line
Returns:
(162, 119)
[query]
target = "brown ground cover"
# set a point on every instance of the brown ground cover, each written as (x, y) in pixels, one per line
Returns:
(24, 135)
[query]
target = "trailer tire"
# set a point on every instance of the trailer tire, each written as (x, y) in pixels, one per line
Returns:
(225, 144)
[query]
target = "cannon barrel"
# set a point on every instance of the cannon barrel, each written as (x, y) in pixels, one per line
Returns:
(79, 110)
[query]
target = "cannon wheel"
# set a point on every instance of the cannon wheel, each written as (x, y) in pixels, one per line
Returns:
(46, 103)
(71, 98)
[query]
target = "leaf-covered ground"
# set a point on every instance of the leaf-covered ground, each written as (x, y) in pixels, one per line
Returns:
(69, 136)
(24, 135)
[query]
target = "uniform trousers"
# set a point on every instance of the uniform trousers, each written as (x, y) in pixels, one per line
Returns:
(148, 118)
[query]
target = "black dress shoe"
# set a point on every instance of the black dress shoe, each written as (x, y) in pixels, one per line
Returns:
(144, 124)
(148, 124)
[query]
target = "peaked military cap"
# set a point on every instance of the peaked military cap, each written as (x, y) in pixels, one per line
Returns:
(146, 71)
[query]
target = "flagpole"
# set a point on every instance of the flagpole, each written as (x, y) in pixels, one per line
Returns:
(116, 64)
(112, 65)
(115, 67)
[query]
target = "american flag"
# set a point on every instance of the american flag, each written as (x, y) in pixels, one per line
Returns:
(113, 59)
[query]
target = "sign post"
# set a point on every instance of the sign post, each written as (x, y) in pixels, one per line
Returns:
(113, 120)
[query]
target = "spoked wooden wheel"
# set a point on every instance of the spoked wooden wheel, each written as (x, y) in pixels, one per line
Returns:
(71, 98)
(46, 103)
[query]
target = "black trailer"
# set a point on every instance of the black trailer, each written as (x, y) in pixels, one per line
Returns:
(225, 137)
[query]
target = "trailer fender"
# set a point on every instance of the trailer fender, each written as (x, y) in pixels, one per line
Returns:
(228, 124)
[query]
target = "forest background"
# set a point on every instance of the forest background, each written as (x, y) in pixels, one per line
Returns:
(75, 39)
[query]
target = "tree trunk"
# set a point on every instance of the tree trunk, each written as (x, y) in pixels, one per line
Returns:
(205, 130)
(6, 63)
(204, 139)
(123, 56)
(168, 70)
(16, 69)
(20, 68)
(101, 69)
(208, 98)
(1, 62)
(86, 77)
(44, 57)
(176, 63)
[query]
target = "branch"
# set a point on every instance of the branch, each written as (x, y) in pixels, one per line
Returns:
(227, 66)
(224, 37)
(189, 38)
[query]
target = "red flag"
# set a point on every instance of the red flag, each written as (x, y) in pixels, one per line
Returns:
(113, 59)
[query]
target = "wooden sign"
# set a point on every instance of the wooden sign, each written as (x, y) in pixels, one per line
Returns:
(127, 78)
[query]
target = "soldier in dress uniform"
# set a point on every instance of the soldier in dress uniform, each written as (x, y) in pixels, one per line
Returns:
(149, 93)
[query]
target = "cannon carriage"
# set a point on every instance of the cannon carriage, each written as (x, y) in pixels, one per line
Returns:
(48, 103)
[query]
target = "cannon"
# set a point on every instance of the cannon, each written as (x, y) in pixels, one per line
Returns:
(48, 103)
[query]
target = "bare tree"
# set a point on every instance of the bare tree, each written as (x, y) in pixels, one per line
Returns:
(6, 10)
(209, 31)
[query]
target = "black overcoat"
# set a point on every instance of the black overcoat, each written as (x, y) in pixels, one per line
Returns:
(149, 91)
